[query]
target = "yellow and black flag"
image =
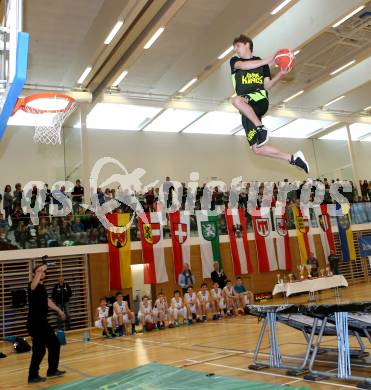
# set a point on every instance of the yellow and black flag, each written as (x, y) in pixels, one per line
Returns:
(119, 253)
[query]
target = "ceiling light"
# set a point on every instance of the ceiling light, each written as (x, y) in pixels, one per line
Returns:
(278, 9)
(120, 78)
(342, 67)
(188, 85)
(348, 16)
(154, 37)
(334, 101)
(293, 96)
(225, 53)
(113, 33)
(296, 52)
(367, 108)
(84, 75)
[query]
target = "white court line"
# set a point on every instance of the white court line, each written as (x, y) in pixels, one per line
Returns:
(99, 354)
(111, 346)
(278, 375)
(185, 359)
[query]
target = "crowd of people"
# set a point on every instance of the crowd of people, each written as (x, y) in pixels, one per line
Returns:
(82, 227)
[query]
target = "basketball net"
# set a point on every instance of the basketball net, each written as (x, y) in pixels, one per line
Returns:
(50, 111)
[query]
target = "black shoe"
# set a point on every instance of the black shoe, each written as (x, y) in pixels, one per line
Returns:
(2, 355)
(55, 373)
(262, 136)
(171, 326)
(37, 379)
(298, 160)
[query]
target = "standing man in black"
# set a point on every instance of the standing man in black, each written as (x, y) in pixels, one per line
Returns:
(218, 277)
(61, 296)
(333, 260)
(41, 332)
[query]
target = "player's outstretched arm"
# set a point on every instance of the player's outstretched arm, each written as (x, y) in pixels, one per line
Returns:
(270, 83)
(247, 65)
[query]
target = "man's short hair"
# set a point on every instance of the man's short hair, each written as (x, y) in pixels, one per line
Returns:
(203, 284)
(103, 299)
(118, 293)
(228, 281)
(244, 39)
(239, 277)
(176, 291)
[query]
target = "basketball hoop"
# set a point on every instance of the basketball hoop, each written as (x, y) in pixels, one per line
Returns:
(54, 109)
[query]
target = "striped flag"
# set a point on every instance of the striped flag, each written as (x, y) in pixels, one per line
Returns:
(236, 224)
(180, 236)
(346, 237)
(325, 229)
(208, 232)
(119, 253)
(282, 240)
(152, 248)
(304, 235)
(267, 260)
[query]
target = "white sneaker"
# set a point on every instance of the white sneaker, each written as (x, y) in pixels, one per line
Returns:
(299, 160)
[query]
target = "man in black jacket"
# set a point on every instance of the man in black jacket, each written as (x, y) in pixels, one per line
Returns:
(333, 260)
(218, 277)
(61, 296)
(42, 333)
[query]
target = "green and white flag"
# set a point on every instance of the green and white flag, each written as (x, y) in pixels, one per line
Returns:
(208, 232)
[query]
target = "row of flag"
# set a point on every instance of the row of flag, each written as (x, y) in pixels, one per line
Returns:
(270, 233)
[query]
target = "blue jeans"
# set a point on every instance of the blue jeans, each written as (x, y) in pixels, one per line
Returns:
(66, 308)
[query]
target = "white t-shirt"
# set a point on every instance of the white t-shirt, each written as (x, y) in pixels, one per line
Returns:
(122, 307)
(216, 294)
(161, 304)
(204, 296)
(176, 304)
(103, 312)
(191, 299)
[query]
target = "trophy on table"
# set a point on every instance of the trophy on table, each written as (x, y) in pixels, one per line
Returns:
(291, 278)
(301, 271)
(328, 272)
(322, 272)
(279, 280)
(309, 268)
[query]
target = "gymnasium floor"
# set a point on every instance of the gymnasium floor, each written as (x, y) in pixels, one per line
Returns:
(223, 347)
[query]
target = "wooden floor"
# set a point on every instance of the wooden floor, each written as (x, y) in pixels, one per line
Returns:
(222, 347)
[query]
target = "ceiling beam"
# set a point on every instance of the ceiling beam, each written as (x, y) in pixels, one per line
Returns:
(130, 47)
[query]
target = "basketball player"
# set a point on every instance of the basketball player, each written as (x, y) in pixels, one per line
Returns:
(161, 310)
(218, 301)
(103, 320)
(122, 314)
(193, 305)
(230, 298)
(145, 313)
(177, 308)
(205, 301)
(252, 79)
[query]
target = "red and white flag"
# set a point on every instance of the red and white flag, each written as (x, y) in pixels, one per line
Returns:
(152, 248)
(325, 229)
(236, 224)
(267, 260)
(180, 228)
(282, 240)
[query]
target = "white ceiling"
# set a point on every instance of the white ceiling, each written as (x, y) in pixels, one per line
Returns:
(67, 36)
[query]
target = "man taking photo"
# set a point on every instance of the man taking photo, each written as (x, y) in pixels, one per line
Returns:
(39, 329)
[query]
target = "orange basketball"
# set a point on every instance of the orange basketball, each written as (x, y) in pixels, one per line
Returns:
(285, 59)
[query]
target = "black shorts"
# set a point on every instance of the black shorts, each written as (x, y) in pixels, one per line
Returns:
(259, 102)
